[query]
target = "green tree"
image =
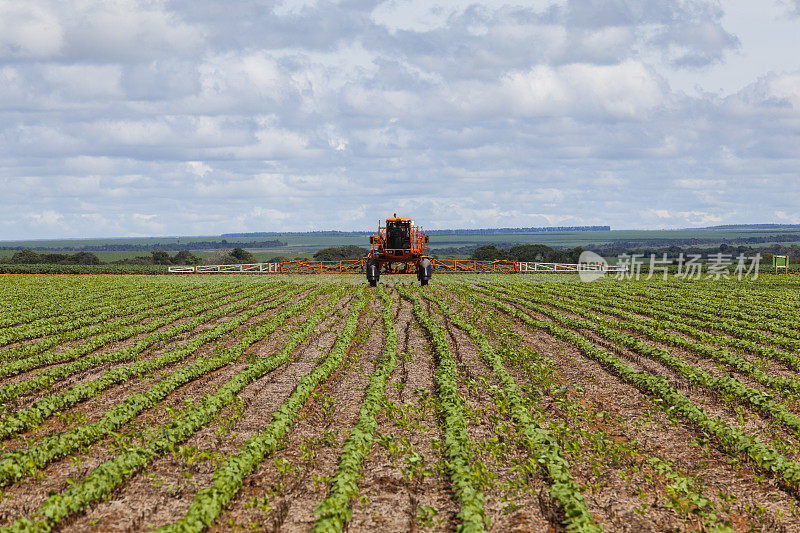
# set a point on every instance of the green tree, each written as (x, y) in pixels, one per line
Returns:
(54, 258)
(242, 256)
(160, 257)
(85, 258)
(26, 257)
(185, 257)
(220, 257)
(530, 252)
(279, 259)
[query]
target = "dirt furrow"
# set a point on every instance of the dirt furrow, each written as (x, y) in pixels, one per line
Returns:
(405, 486)
(163, 492)
(25, 496)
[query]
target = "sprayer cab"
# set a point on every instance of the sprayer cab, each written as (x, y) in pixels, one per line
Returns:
(399, 248)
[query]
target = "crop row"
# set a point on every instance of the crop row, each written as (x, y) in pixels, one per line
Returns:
(761, 295)
(725, 385)
(64, 302)
(78, 327)
(101, 481)
(715, 303)
(765, 457)
(647, 328)
(202, 314)
(130, 315)
(743, 336)
(681, 313)
(20, 463)
(333, 512)
(227, 480)
(544, 448)
(18, 366)
(457, 447)
(49, 405)
(104, 305)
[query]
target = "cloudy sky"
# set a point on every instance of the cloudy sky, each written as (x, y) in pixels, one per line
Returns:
(198, 117)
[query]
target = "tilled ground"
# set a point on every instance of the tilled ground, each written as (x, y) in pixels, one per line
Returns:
(622, 498)
(639, 468)
(393, 493)
(25, 496)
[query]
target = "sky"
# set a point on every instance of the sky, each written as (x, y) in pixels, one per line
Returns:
(161, 118)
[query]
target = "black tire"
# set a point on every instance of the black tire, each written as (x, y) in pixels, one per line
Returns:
(373, 272)
(424, 271)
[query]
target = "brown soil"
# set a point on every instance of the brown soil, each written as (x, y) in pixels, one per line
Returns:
(631, 459)
(391, 500)
(165, 489)
(636, 420)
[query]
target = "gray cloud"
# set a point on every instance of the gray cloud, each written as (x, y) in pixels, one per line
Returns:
(793, 7)
(200, 117)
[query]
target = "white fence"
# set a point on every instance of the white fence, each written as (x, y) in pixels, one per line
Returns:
(275, 268)
(264, 268)
(569, 267)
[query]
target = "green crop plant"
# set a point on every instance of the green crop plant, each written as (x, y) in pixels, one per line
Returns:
(103, 479)
(456, 440)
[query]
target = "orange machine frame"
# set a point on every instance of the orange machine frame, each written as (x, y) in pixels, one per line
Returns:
(398, 260)
(352, 266)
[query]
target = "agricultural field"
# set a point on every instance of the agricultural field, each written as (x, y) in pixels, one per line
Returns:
(500, 403)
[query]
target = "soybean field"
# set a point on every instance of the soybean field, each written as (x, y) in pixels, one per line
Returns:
(317, 403)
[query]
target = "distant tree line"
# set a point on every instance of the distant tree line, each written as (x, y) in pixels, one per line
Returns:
(30, 257)
(156, 257)
(199, 245)
(527, 253)
(630, 244)
(492, 231)
(755, 226)
(481, 231)
(673, 251)
(341, 253)
(546, 254)
(281, 233)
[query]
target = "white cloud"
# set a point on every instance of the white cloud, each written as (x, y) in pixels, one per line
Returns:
(81, 82)
(699, 218)
(93, 30)
(790, 218)
(90, 165)
(135, 117)
(624, 90)
(695, 183)
(198, 168)
(47, 219)
(28, 30)
(285, 8)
